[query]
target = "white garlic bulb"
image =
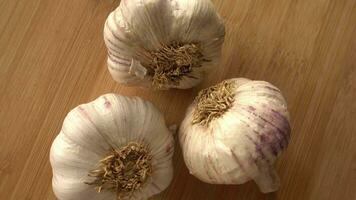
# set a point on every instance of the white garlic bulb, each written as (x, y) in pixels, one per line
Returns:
(164, 44)
(114, 147)
(233, 133)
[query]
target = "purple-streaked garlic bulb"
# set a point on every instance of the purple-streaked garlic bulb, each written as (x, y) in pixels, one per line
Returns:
(163, 44)
(114, 147)
(234, 131)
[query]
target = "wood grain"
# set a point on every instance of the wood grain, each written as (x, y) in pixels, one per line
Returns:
(52, 58)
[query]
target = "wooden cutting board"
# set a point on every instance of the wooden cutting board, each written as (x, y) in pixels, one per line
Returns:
(52, 58)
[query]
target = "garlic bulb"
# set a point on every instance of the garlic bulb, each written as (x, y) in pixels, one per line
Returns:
(234, 131)
(164, 44)
(115, 147)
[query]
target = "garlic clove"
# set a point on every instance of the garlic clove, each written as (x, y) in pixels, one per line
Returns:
(72, 160)
(197, 21)
(116, 35)
(149, 21)
(62, 186)
(234, 131)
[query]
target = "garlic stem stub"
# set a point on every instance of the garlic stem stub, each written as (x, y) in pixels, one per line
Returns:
(234, 131)
(114, 147)
(163, 44)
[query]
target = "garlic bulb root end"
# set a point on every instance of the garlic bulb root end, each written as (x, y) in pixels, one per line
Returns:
(170, 63)
(124, 170)
(213, 102)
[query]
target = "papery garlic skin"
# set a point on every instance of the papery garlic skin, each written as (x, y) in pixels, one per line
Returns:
(243, 143)
(89, 132)
(139, 26)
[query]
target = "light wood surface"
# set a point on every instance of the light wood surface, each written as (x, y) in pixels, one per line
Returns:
(52, 58)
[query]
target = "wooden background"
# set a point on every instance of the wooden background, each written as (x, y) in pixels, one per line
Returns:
(52, 58)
